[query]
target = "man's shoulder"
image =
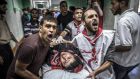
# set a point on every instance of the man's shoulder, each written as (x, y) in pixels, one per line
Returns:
(79, 35)
(108, 33)
(32, 40)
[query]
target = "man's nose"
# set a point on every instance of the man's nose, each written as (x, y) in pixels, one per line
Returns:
(65, 57)
(94, 20)
(51, 29)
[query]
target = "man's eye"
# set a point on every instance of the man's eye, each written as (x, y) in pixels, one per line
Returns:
(48, 26)
(54, 27)
(96, 15)
(91, 16)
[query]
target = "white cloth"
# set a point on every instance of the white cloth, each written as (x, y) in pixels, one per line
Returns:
(5, 36)
(102, 45)
(128, 34)
(62, 74)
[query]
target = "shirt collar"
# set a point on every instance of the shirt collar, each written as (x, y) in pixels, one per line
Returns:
(128, 10)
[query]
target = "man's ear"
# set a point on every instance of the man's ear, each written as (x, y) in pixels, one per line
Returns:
(73, 17)
(40, 28)
(122, 3)
(75, 54)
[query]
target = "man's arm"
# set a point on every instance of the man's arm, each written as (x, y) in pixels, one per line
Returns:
(120, 48)
(98, 8)
(102, 68)
(1, 60)
(63, 34)
(20, 69)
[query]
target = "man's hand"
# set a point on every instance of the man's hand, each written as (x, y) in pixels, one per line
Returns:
(60, 40)
(92, 75)
(1, 60)
(53, 42)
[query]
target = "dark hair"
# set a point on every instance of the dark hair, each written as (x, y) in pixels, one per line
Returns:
(78, 8)
(34, 9)
(48, 18)
(3, 2)
(72, 8)
(63, 2)
(126, 2)
(67, 47)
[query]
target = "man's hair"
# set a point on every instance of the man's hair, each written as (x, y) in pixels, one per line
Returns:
(48, 18)
(3, 2)
(67, 47)
(63, 2)
(34, 9)
(87, 10)
(126, 2)
(77, 8)
(72, 8)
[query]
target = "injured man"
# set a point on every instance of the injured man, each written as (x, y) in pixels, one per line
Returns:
(65, 62)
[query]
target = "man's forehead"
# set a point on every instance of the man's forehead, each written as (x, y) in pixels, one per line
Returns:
(63, 4)
(78, 10)
(114, 1)
(49, 23)
(90, 12)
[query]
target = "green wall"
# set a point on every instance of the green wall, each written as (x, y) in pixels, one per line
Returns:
(26, 3)
(14, 5)
(77, 3)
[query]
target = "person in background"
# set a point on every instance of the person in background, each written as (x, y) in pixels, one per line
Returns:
(74, 27)
(32, 51)
(64, 17)
(32, 26)
(127, 39)
(6, 53)
(25, 17)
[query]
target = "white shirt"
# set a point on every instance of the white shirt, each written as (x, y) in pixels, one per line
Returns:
(5, 36)
(48, 73)
(102, 45)
(128, 34)
(75, 30)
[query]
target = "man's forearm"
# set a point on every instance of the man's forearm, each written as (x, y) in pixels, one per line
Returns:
(120, 48)
(103, 67)
(63, 34)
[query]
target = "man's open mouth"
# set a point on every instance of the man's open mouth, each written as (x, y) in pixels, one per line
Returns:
(50, 36)
(94, 24)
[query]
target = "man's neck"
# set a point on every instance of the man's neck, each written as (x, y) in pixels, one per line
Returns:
(45, 42)
(124, 9)
(89, 33)
(65, 13)
(77, 22)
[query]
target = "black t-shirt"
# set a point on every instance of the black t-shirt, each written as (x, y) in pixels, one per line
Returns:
(64, 20)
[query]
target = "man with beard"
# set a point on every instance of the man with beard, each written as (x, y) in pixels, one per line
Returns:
(74, 27)
(94, 44)
(32, 52)
(65, 62)
(127, 39)
(6, 54)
